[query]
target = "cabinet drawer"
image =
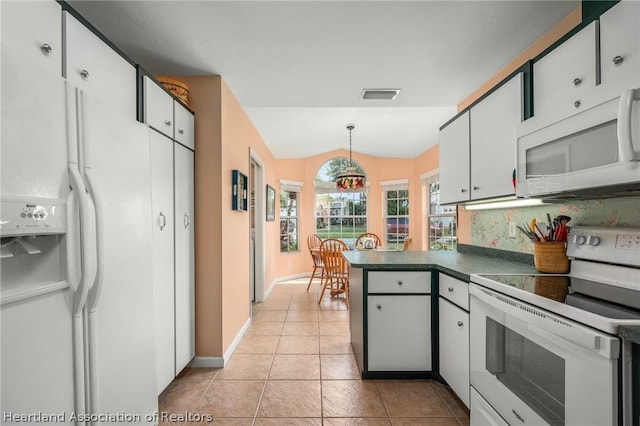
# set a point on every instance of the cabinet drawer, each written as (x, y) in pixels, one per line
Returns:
(454, 290)
(184, 128)
(97, 69)
(158, 107)
(399, 282)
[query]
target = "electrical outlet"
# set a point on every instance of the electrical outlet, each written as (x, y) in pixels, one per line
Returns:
(512, 229)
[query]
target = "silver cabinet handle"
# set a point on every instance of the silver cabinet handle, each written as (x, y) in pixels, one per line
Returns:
(399, 282)
(450, 289)
(518, 416)
(181, 131)
(617, 60)
(162, 220)
(167, 122)
(577, 81)
(463, 190)
(84, 74)
(577, 104)
(475, 188)
(46, 49)
(460, 323)
(379, 307)
(186, 220)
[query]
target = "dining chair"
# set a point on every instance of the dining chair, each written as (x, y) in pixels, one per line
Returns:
(336, 271)
(313, 242)
(377, 240)
(407, 244)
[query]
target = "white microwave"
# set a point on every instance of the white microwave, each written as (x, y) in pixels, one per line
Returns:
(594, 153)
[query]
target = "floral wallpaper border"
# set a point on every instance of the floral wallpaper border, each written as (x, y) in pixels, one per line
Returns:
(490, 228)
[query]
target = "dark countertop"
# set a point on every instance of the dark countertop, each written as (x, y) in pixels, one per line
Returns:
(630, 332)
(454, 263)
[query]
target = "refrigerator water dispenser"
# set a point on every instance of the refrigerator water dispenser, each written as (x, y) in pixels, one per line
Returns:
(32, 247)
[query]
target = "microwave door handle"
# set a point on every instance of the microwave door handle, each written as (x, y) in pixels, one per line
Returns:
(625, 138)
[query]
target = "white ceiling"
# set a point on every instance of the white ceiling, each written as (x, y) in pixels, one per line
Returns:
(298, 67)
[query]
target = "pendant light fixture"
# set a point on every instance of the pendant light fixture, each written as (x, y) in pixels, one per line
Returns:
(350, 180)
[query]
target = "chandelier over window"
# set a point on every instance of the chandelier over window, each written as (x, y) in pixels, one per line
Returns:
(350, 179)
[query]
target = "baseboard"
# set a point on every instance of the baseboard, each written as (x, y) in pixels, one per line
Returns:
(217, 361)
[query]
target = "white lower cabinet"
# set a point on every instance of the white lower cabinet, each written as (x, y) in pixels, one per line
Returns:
(184, 256)
(172, 174)
(454, 348)
(399, 332)
(161, 149)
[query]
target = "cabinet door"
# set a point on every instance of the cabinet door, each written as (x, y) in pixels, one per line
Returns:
(493, 140)
(184, 128)
(620, 48)
(32, 30)
(158, 107)
(454, 348)
(564, 81)
(97, 69)
(399, 333)
(161, 149)
(184, 256)
(454, 161)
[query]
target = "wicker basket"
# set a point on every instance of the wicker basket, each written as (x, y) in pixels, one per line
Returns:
(177, 88)
(550, 257)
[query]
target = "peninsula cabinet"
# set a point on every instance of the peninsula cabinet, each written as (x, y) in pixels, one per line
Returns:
(453, 313)
(390, 321)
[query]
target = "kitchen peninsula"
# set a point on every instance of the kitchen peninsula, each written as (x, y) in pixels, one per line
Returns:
(395, 304)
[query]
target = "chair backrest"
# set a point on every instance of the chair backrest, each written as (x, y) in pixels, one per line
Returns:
(378, 243)
(331, 251)
(407, 244)
(314, 241)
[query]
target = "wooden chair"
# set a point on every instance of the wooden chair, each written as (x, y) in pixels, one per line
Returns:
(336, 270)
(313, 242)
(407, 244)
(378, 243)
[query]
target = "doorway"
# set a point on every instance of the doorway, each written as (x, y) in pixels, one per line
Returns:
(257, 228)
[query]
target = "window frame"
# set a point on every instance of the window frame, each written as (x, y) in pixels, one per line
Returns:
(287, 219)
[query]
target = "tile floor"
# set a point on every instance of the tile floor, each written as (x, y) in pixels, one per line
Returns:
(294, 366)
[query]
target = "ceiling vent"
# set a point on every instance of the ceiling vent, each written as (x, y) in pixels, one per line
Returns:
(380, 94)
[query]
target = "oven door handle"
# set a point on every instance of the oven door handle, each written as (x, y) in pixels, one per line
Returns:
(550, 327)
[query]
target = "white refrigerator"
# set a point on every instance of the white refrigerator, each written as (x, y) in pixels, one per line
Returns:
(76, 297)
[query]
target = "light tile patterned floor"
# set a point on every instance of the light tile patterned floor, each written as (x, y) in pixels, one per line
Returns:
(295, 366)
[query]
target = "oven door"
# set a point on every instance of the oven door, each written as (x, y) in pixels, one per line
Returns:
(596, 148)
(536, 368)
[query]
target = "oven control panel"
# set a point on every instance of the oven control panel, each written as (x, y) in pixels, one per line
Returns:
(605, 244)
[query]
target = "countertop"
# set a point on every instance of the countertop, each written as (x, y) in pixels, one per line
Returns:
(454, 263)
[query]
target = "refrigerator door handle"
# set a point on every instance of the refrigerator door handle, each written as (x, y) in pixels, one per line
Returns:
(87, 224)
(96, 288)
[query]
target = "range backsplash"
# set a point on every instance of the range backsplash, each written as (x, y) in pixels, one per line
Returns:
(490, 228)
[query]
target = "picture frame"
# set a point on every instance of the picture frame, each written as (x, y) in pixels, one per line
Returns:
(271, 204)
(238, 190)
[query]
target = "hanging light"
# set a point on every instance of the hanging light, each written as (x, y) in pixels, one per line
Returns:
(350, 179)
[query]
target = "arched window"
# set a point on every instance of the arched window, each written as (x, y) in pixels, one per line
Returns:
(339, 214)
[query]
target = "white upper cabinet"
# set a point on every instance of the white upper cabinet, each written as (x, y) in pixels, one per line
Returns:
(493, 140)
(564, 81)
(184, 126)
(97, 69)
(454, 161)
(32, 31)
(158, 107)
(620, 49)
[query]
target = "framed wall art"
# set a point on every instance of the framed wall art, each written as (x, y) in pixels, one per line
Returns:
(238, 191)
(271, 204)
